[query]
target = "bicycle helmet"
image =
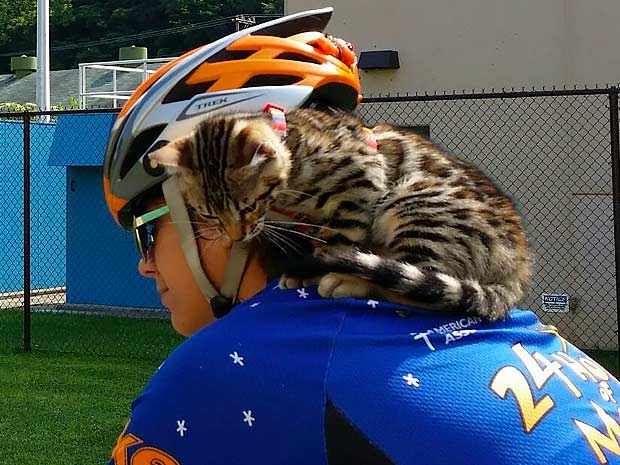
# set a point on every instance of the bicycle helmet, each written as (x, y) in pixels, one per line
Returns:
(288, 62)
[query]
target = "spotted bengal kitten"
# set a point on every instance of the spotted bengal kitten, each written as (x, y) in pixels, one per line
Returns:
(399, 219)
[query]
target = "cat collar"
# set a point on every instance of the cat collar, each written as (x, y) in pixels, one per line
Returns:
(278, 117)
(371, 140)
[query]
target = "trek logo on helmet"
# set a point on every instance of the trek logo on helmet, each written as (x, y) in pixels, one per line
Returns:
(210, 103)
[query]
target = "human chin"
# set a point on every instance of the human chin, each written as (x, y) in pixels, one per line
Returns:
(190, 318)
(179, 321)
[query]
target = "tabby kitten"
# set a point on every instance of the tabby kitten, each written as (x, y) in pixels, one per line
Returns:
(398, 219)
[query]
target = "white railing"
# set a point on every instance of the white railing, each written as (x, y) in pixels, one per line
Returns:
(122, 66)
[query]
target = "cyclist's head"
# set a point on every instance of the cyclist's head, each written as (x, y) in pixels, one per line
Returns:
(287, 62)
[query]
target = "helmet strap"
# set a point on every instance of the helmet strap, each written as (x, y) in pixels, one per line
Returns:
(221, 302)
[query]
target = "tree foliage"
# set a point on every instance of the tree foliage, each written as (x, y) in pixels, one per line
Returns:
(80, 21)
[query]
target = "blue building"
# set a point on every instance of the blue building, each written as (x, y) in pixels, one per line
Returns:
(101, 258)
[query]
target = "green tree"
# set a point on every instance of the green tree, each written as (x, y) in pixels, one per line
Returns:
(81, 21)
(273, 7)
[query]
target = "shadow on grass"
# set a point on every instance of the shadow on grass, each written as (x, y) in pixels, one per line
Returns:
(102, 336)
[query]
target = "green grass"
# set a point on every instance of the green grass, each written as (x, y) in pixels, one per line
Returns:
(105, 336)
(608, 359)
(68, 400)
(65, 410)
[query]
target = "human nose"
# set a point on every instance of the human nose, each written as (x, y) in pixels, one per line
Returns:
(146, 267)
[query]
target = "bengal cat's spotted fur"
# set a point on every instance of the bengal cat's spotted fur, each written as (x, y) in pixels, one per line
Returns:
(443, 235)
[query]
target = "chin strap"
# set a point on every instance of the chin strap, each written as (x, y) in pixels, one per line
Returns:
(221, 302)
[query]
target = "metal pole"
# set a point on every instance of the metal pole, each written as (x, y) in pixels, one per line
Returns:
(615, 179)
(114, 87)
(27, 342)
(81, 85)
(43, 56)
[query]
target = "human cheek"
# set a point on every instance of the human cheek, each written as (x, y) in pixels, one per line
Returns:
(214, 257)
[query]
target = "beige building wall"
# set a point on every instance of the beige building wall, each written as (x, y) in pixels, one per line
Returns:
(475, 44)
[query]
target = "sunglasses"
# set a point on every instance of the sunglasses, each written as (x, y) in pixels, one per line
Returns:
(143, 230)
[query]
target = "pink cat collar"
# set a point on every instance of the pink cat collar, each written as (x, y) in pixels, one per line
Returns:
(278, 117)
(371, 140)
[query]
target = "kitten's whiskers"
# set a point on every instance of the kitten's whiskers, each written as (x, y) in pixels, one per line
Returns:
(293, 231)
(299, 223)
(275, 240)
(283, 238)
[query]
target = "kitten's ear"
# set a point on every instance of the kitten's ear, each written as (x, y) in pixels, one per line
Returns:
(254, 148)
(174, 153)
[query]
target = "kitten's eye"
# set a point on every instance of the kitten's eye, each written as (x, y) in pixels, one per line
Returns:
(248, 210)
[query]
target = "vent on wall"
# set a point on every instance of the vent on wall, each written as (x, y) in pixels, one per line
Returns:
(379, 59)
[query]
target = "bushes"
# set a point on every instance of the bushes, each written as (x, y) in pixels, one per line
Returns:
(14, 107)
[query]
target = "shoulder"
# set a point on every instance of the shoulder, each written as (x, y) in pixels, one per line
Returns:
(252, 377)
(444, 382)
(258, 336)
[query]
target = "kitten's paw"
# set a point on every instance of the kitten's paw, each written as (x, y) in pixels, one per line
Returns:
(341, 285)
(287, 282)
(309, 282)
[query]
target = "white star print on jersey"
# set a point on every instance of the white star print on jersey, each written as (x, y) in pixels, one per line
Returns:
(304, 354)
(411, 381)
(181, 429)
(372, 303)
(249, 419)
(237, 360)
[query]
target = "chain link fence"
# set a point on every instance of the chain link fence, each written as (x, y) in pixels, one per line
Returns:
(67, 277)
(552, 151)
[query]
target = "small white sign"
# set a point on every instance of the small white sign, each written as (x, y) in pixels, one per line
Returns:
(556, 303)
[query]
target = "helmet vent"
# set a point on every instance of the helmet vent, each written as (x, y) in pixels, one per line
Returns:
(272, 80)
(141, 144)
(230, 55)
(297, 57)
(335, 94)
(183, 91)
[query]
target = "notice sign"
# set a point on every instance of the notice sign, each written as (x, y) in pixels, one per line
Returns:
(556, 303)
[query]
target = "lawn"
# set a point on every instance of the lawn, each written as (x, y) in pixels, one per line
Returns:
(67, 401)
(65, 410)
(108, 336)
(607, 358)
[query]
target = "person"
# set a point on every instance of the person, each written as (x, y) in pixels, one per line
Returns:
(277, 376)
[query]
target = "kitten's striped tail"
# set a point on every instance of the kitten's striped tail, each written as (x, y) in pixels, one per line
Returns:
(437, 290)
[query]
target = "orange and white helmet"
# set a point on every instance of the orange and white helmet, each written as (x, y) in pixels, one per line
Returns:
(288, 62)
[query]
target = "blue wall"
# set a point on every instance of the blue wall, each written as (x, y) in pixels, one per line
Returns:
(101, 257)
(47, 209)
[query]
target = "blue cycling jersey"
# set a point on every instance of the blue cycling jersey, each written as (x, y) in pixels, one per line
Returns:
(291, 378)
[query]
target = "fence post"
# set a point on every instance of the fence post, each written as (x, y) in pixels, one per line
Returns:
(27, 338)
(615, 167)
